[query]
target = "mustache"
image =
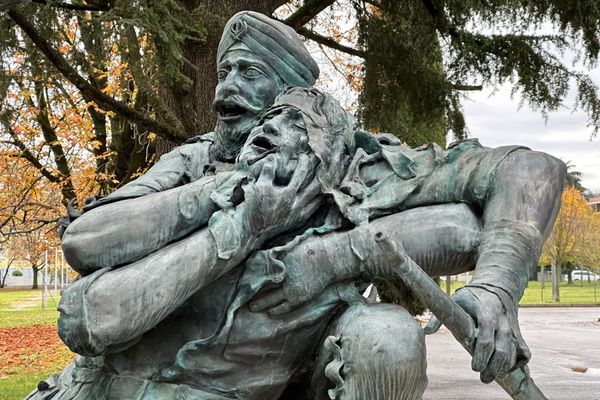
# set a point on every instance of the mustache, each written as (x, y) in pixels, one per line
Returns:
(235, 100)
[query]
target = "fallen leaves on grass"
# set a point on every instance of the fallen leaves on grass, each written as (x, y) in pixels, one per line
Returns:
(32, 349)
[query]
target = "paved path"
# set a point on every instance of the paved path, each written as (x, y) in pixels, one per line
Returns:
(562, 341)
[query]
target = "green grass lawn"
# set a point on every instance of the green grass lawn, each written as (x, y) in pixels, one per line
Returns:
(24, 308)
(32, 351)
(576, 293)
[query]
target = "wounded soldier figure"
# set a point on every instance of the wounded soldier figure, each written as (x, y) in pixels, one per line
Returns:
(234, 268)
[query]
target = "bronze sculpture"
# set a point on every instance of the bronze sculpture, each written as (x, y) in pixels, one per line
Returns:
(153, 321)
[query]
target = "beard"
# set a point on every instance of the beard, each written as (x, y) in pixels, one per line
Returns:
(229, 139)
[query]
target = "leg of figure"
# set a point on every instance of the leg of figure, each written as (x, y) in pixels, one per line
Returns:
(375, 352)
(94, 308)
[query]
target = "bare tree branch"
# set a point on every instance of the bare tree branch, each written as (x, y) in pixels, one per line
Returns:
(466, 88)
(329, 42)
(88, 90)
(27, 154)
(73, 6)
(308, 11)
(51, 139)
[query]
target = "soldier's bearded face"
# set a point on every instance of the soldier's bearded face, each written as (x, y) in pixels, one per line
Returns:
(246, 87)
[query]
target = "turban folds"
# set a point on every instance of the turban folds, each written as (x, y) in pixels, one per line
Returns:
(274, 42)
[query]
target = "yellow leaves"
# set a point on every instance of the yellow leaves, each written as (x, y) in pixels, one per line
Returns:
(575, 223)
(71, 34)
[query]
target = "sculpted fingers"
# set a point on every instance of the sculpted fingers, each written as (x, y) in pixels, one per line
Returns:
(504, 355)
(282, 308)
(267, 174)
(301, 172)
(484, 345)
(523, 352)
(309, 192)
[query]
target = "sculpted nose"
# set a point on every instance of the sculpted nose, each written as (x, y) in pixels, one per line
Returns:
(270, 128)
(230, 85)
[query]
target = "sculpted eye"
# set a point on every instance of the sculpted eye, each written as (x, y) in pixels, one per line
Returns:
(222, 74)
(300, 125)
(252, 72)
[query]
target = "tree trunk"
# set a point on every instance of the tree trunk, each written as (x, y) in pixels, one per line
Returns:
(35, 277)
(555, 282)
(3, 277)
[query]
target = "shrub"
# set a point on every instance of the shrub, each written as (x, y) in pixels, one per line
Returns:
(17, 272)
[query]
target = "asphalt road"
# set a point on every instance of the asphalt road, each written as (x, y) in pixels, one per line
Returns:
(563, 342)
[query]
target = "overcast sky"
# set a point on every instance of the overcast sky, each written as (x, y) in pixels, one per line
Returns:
(497, 120)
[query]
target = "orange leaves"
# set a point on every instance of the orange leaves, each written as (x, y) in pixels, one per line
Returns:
(116, 75)
(31, 349)
(567, 241)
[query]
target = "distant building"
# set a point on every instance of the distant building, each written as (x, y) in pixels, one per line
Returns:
(594, 202)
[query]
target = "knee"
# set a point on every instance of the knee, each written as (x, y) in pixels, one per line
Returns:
(382, 333)
(382, 350)
(73, 323)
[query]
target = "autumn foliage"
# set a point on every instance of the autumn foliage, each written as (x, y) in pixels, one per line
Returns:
(574, 239)
(31, 349)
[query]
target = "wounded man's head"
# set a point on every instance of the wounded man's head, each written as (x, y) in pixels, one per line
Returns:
(303, 121)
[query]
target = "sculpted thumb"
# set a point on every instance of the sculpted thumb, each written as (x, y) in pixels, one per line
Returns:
(432, 326)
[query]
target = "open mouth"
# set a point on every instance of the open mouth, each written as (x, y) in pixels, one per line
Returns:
(229, 111)
(263, 144)
(261, 147)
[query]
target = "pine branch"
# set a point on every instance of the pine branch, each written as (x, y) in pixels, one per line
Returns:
(308, 11)
(135, 63)
(73, 6)
(441, 20)
(466, 88)
(88, 90)
(329, 42)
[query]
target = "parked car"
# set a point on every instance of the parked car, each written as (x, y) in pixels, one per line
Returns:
(583, 275)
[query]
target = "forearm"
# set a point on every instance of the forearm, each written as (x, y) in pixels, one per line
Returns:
(441, 239)
(114, 306)
(520, 210)
(121, 232)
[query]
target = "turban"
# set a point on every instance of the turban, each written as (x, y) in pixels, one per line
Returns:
(274, 42)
